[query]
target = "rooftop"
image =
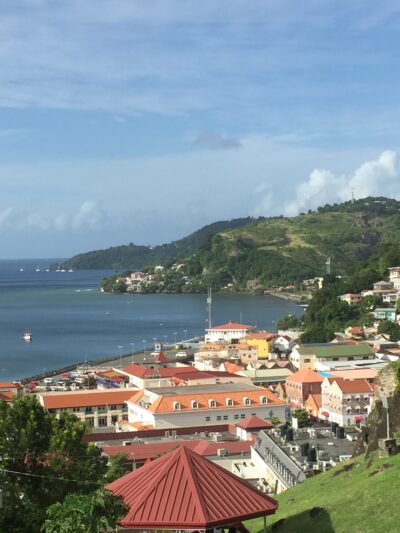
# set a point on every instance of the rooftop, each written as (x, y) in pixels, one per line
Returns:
(90, 398)
(336, 350)
(231, 325)
(305, 376)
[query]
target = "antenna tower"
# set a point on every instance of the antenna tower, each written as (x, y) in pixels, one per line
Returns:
(209, 304)
(352, 195)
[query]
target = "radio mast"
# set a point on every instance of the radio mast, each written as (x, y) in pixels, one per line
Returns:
(209, 304)
(328, 265)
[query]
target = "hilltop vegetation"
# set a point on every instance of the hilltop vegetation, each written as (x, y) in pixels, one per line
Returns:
(356, 496)
(132, 256)
(258, 254)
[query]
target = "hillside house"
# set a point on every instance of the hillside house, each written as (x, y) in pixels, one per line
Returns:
(350, 298)
(394, 277)
(326, 356)
(385, 313)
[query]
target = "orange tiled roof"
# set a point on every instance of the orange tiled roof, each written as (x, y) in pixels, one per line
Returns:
(305, 376)
(231, 367)
(6, 396)
(353, 386)
(165, 403)
(59, 400)
(314, 402)
(261, 335)
(10, 385)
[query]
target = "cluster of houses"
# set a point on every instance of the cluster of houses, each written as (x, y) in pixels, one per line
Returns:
(138, 281)
(387, 291)
(235, 400)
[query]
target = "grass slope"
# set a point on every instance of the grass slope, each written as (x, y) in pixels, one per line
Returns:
(359, 496)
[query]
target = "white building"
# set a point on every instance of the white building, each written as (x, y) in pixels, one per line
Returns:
(203, 405)
(394, 276)
(229, 332)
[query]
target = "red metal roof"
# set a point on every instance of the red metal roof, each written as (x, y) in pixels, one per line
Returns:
(182, 490)
(232, 325)
(254, 422)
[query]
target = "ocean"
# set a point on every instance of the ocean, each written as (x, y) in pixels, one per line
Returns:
(72, 321)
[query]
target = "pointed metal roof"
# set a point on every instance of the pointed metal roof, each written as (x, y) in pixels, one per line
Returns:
(182, 490)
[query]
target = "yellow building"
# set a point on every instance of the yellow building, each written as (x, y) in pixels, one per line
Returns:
(261, 340)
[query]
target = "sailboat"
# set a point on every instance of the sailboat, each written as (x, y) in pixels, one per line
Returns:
(37, 269)
(27, 335)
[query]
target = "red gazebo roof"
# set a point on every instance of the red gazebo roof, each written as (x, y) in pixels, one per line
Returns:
(182, 490)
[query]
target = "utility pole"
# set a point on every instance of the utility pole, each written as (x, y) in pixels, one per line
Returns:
(209, 304)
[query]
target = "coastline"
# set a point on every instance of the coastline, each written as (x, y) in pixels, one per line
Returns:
(287, 296)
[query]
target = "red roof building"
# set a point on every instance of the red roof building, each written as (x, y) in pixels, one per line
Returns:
(301, 384)
(229, 332)
(182, 490)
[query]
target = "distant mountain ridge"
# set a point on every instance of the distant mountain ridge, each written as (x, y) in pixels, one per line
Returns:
(248, 253)
(134, 256)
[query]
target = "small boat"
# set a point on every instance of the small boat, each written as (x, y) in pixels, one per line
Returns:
(37, 269)
(63, 270)
(70, 270)
(27, 335)
(21, 269)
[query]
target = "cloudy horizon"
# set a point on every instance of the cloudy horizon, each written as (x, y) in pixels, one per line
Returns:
(144, 122)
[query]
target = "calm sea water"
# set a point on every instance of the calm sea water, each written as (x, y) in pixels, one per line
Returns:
(71, 321)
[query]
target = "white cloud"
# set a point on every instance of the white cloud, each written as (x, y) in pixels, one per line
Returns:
(89, 215)
(378, 177)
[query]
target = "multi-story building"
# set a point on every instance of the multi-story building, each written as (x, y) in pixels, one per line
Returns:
(301, 384)
(385, 313)
(96, 408)
(203, 405)
(261, 340)
(346, 402)
(350, 298)
(394, 277)
(328, 356)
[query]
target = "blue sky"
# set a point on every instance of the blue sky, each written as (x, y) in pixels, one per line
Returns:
(140, 121)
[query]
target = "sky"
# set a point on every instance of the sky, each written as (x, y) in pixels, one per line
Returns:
(141, 121)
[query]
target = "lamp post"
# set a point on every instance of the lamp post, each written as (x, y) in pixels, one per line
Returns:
(144, 349)
(133, 350)
(120, 355)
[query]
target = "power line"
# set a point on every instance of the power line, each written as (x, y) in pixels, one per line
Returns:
(50, 477)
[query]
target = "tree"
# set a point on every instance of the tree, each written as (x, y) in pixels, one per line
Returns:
(43, 460)
(118, 467)
(302, 417)
(289, 322)
(84, 513)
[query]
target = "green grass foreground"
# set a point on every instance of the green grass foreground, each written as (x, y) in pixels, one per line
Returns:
(358, 496)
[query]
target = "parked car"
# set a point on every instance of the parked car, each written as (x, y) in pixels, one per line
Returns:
(48, 381)
(181, 355)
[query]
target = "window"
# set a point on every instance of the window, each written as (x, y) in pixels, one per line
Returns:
(76, 409)
(246, 401)
(236, 417)
(218, 418)
(242, 416)
(225, 417)
(195, 405)
(88, 410)
(307, 360)
(212, 403)
(113, 407)
(229, 402)
(102, 421)
(114, 419)
(208, 418)
(350, 358)
(177, 406)
(263, 399)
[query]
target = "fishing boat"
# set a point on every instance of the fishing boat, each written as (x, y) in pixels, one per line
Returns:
(27, 335)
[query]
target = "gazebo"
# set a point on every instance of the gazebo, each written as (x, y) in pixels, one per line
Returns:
(185, 491)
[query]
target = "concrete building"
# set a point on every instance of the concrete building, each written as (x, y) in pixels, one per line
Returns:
(262, 341)
(300, 385)
(96, 408)
(324, 355)
(346, 402)
(350, 298)
(385, 313)
(394, 277)
(203, 405)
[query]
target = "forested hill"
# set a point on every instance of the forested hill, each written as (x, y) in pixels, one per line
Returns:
(133, 256)
(268, 251)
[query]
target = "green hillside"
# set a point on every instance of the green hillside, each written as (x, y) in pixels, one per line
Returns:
(285, 250)
(132, 256)
(359, 496)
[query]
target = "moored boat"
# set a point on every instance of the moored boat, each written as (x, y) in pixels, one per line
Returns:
(27, 335)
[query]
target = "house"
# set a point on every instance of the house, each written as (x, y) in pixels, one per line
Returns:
(385, 313)
(313, 405)
(261, 341)
(382, 285)
(264, 376)
(390, 298)
(324, 356)
(350, 298)
(247, 428)
(203, 405)
(394, 277)
(96, 408)
(346, 402)
(283, 344)
(9, 389)
(300, 385)
(230, 332)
